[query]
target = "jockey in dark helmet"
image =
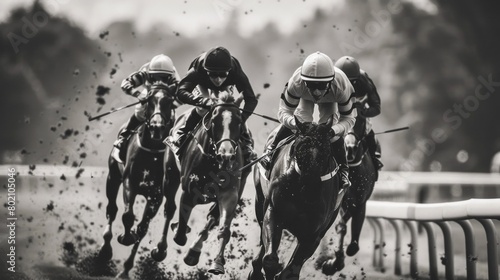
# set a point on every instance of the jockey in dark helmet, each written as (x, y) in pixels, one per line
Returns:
(215, 70)
(318, 82)
(160, 70)
(367, 101)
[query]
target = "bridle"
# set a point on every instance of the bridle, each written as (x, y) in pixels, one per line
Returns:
(154, 89)
(215, 146)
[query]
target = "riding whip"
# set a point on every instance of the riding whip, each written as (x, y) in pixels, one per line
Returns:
(393, 130)
(117, 109)
(262, 116)
(284, 142)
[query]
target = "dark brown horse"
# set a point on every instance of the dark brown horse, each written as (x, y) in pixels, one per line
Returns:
(140, 174)
(300, 196)
(208, 172)
(362, 174)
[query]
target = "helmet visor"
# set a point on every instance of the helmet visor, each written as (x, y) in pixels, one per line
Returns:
(317, 85)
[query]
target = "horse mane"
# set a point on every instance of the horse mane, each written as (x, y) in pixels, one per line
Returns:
(225, 97)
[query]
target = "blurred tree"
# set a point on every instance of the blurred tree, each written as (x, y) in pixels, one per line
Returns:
(41, 58)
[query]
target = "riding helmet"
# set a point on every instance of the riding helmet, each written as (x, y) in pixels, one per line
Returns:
(217, 59)
(317, 67)
(349, 66)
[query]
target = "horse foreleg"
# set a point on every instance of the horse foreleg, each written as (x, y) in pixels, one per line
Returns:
(128, 238)
(256, 272)
(358, 218)
(227, 206)
(185, 208)
(329, 267)
(150, 211)
(301, 254)
(112, 186)
(271, 236)
(193, 255)
(170, 187)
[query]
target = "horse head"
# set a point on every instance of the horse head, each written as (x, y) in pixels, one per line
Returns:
(224, 129)
(159, 110)
(311, 149)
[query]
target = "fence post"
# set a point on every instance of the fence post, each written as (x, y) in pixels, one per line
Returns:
(375, 235)
(470, 250)
(492, 243)
(397, 250)
(448, 250)
(433, 271)
(413, 249)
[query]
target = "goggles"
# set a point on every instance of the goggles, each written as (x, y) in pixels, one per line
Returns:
(317, 85)
(215, 74)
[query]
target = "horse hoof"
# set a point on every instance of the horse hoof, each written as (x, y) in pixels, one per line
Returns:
(180, 239)
(158, 255)
(127, 239)
(192, 258)
(216, 268)
(331, 266)
(271, 264)
(352, 249)
(106, 252)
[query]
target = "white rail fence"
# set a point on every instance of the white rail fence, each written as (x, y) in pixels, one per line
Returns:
(442, 214)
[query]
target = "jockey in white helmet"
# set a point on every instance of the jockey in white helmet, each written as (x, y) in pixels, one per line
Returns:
(317, 82)
(160, 70)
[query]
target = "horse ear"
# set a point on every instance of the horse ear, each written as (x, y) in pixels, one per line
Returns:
(238, 100)
(300, 126)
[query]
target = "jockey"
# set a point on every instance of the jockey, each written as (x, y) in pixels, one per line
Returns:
(215, 70)
(367, 101)
(160, 70)
(319, 82)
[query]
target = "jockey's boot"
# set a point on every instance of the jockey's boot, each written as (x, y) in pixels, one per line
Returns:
(247, 145)
(282, 133)
(339, 152)
(372, 149)
(124, 135)
(185, 132)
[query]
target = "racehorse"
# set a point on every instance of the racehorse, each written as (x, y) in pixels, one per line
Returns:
(362, 174)
(140, 174)
(208, 172)
(300, 196)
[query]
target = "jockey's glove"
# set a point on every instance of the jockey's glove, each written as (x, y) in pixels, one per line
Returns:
(206, 103)
(127, 87)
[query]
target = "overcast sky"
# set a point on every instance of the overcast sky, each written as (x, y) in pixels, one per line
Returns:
(188, 17)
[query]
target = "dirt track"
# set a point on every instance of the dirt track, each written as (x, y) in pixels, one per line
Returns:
(61, 219)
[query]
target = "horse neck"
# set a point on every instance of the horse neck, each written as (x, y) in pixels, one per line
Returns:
(305, 177)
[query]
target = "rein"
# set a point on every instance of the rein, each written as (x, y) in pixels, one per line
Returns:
(203, 123)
